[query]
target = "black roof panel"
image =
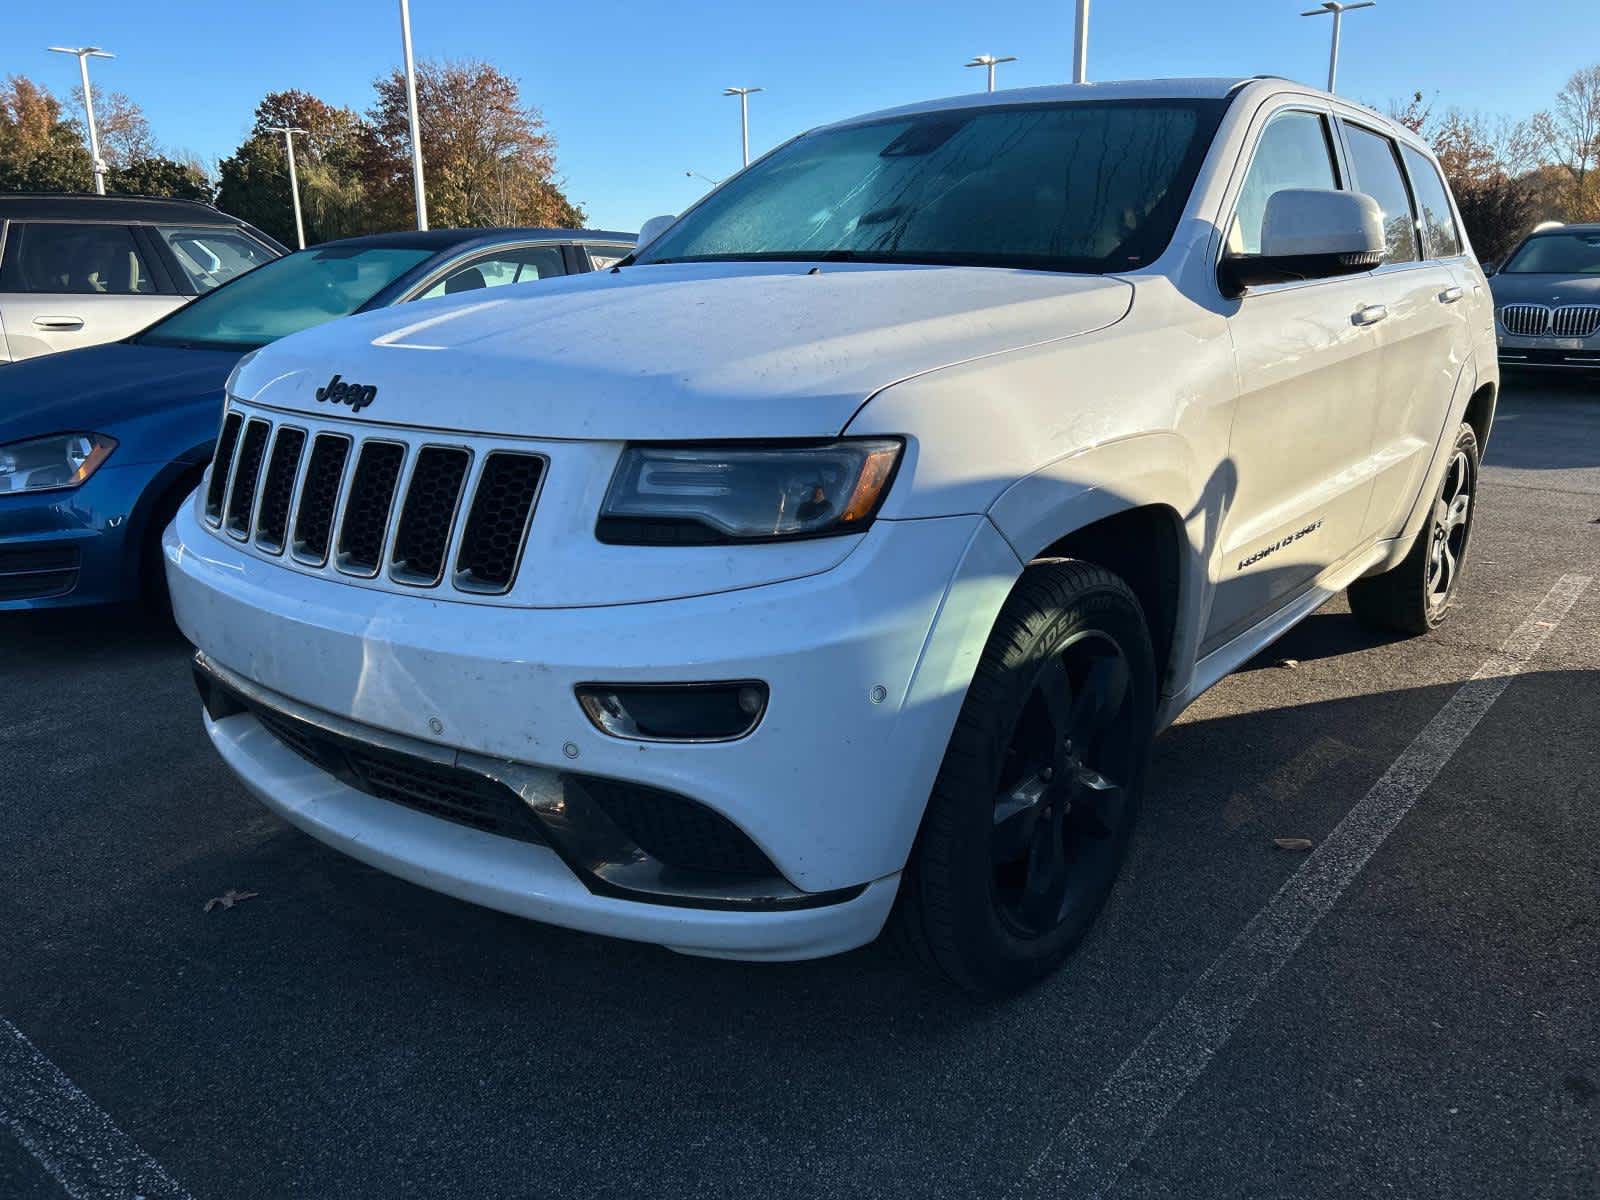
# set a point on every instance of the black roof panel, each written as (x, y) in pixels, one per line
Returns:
(60, 206)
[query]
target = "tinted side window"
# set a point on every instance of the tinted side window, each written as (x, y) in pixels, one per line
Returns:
(1439, 236)
(210, 256)
(499, 268)
(1294, 152)
(1377, 173)
(73, 259)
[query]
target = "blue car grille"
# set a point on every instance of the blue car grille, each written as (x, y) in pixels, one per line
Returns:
(37, 572)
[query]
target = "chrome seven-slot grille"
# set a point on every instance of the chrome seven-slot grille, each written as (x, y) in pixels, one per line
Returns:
(374, 503)
(1539, 320)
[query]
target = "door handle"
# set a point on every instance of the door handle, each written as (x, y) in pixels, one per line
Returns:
(1370, 314)
(60, 323)
(1450, 295)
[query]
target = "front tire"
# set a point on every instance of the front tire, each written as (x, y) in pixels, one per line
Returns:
(1417, 595)
(1035, 803)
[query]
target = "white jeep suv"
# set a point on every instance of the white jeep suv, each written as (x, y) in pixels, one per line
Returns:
(834, 560)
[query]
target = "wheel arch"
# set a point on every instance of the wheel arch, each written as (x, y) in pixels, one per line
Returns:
(1136, 507)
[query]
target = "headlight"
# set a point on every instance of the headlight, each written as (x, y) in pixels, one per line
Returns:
(677, 495)
(62, 460)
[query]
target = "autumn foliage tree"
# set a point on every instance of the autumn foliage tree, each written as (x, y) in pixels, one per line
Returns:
(489, 158)
(42, 149)
(254, 179)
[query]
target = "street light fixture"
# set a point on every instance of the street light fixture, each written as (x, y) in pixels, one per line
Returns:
(288, 132)
(1338, 10)
(707, 178)
(1080, 44)
(990, 61)
(744, 94)
(411, 116)
(84, 54)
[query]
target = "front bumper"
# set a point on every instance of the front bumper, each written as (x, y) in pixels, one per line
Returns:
(70, 547)
(830, 787)
(1572, 354)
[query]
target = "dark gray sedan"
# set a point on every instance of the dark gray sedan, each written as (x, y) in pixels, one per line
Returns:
(1547, 300)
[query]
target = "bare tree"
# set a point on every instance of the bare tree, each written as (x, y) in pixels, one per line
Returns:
(1570, 134)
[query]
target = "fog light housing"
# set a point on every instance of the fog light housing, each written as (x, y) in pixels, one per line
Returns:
(675, 712)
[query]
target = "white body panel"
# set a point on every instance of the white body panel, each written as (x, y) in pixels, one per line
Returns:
(38, 323)
(1031, 404)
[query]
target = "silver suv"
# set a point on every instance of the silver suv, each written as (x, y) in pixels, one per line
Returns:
(80, 270)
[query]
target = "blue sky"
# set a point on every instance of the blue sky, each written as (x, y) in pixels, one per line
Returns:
(632, 90)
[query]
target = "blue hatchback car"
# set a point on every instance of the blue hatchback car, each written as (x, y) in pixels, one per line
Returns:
(99, 446)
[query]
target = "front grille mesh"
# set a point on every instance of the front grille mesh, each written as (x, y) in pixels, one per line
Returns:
(246, 474)
(366, 510)
(1525, 320)
(1537, 320)
(423, 536)
(286, 488)
(313, 525)
(222, 466)
(497, 523)
(1575, 320)
(277, 493)
(448, 792)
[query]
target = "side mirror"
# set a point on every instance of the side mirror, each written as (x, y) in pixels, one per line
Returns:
(652, 229)
(1489, 268)
(1309, 233)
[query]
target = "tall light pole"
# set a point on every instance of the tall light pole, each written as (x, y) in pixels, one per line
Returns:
(288, 132)
(1338, 10)
(84, 54)
(744, 94)
(411, 114)
(990, 61)
(1080, 44)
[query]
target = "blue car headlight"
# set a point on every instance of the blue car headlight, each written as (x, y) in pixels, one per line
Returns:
(62, 460)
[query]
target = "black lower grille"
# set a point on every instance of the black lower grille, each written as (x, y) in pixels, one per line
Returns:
(38, 572)
(449, 793)
(422, 538)
(497, 523)
(222, 466)
(366, 512)
(675, 830)
(313, 524)
(272, 521)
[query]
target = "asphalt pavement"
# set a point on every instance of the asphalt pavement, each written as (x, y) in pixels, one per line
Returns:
(1429, 1029)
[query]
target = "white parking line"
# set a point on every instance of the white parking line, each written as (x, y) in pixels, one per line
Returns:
(1089, 1155)
(70, 1136)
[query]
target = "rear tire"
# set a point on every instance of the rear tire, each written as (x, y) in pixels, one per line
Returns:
(1035, 803)
(1417, 595)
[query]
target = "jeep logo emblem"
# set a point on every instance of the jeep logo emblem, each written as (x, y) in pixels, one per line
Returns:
(356, 395)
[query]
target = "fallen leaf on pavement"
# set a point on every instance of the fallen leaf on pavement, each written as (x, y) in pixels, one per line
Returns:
(228, 899)
(1292, 843)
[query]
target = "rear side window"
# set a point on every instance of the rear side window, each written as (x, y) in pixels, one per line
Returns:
(212, 256)
(1440, 238)
(601, 257)
(1295, 151)
(1377, 173)
(65, 258)
(498, 269)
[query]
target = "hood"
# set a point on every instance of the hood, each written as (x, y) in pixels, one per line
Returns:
(673, 351)
(1551, 290)
(101, 388)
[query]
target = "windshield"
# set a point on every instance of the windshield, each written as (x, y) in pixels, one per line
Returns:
(283, 297)
(1557, 254)
(1085, 186)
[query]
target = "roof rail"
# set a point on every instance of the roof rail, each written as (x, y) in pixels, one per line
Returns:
(1253, 79)
(36, 195)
